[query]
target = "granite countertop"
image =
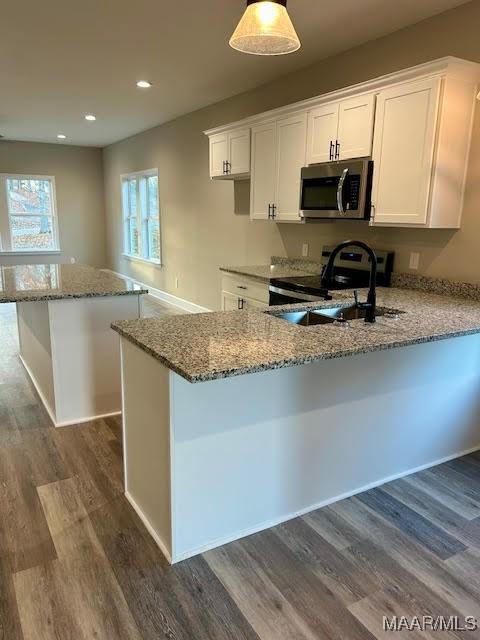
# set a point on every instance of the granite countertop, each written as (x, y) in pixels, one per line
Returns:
(208, 346)
(36, 282)
(264, 273)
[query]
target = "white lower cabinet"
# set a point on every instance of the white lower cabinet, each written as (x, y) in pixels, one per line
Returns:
(240, 292)
(230, 301)
(278, 155)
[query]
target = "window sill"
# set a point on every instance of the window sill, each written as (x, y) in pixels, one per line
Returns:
(153, 263)
(31, 252)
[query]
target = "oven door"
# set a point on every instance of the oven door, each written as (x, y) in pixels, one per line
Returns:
(336, 190)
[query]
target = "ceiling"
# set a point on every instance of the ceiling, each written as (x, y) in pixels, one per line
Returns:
(60, 60)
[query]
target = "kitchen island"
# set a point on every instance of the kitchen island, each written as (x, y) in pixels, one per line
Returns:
(64, 313)
(236, 421)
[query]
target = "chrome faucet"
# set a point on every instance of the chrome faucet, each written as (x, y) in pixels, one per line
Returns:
(370, 304)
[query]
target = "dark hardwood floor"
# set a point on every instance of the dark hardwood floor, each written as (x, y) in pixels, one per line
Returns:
(77, 564)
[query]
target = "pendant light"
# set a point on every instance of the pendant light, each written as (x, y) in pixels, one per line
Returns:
(265, 29)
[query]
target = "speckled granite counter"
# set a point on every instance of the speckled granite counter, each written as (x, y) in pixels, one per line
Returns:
(204, 347)
(30, 283)
(264, 273)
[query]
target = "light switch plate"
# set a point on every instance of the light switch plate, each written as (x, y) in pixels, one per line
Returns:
(305, 249)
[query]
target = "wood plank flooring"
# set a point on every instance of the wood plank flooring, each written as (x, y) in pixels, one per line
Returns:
(76, 562)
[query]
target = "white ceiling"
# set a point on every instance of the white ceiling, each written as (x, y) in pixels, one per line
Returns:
(61, 59)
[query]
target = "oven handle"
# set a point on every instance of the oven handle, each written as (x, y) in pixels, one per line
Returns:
(341, 182)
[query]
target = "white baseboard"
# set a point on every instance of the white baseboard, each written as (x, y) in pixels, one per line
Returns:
(273, 523)
(169, 298)
(51, 412)
(68, 423)
(45, 403)
(149, 527)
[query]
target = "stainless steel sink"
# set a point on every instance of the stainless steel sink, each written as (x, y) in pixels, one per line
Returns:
(344, 314)
(305, 318)
(328, 315)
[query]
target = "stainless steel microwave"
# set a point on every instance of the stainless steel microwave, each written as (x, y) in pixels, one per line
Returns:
(337, 190)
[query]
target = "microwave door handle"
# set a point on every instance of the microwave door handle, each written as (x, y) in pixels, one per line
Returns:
(341, 182)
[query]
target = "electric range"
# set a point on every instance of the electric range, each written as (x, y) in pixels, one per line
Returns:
(352, 271)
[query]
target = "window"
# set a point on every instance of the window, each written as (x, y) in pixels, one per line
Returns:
(141, 218)
(28, 220)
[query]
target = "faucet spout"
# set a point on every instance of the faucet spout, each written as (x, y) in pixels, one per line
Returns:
(370, 305)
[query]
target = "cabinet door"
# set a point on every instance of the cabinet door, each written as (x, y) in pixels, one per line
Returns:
(403, 149)
(291, 143)
(355, 127)
(322, 132)
(263, 178)
(218, 154)
(239, 151)
(230, 302)
(250, 303)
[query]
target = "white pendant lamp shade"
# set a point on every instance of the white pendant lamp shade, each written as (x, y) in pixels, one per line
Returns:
(265, 29)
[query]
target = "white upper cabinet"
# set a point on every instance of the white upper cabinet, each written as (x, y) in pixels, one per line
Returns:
(322, 133)
(264, 171)
(278, 155)
(218, 154)
(416, 124)
(239, 152)
(230, 154)
(291, 143)
(341, 130)
(420, 151)
(355, 127)
(403, 151)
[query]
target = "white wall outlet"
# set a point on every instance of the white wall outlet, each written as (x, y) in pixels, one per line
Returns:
(305, 249)
(414, 260)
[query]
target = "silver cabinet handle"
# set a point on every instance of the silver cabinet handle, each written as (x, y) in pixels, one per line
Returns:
(241, 286)
(337, 150)
(330, 155)
(341, 182)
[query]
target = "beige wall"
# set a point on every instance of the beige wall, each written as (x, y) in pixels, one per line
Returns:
(206, 224)
(78, 175)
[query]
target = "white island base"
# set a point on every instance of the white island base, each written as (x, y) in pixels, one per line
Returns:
(72, 355)
(211, 462)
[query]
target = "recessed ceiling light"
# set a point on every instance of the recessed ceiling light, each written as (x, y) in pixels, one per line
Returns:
(144, 84)
(90, 117)
(61, 136)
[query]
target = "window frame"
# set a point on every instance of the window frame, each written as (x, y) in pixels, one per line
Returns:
(5, 215)
(142, 222)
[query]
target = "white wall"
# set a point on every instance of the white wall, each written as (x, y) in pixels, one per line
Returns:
(78, 175)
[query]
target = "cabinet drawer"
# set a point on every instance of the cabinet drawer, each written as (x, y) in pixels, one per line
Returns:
(246, 287)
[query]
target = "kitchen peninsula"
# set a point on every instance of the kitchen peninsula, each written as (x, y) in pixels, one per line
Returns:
(64, 313)
(282, 419)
